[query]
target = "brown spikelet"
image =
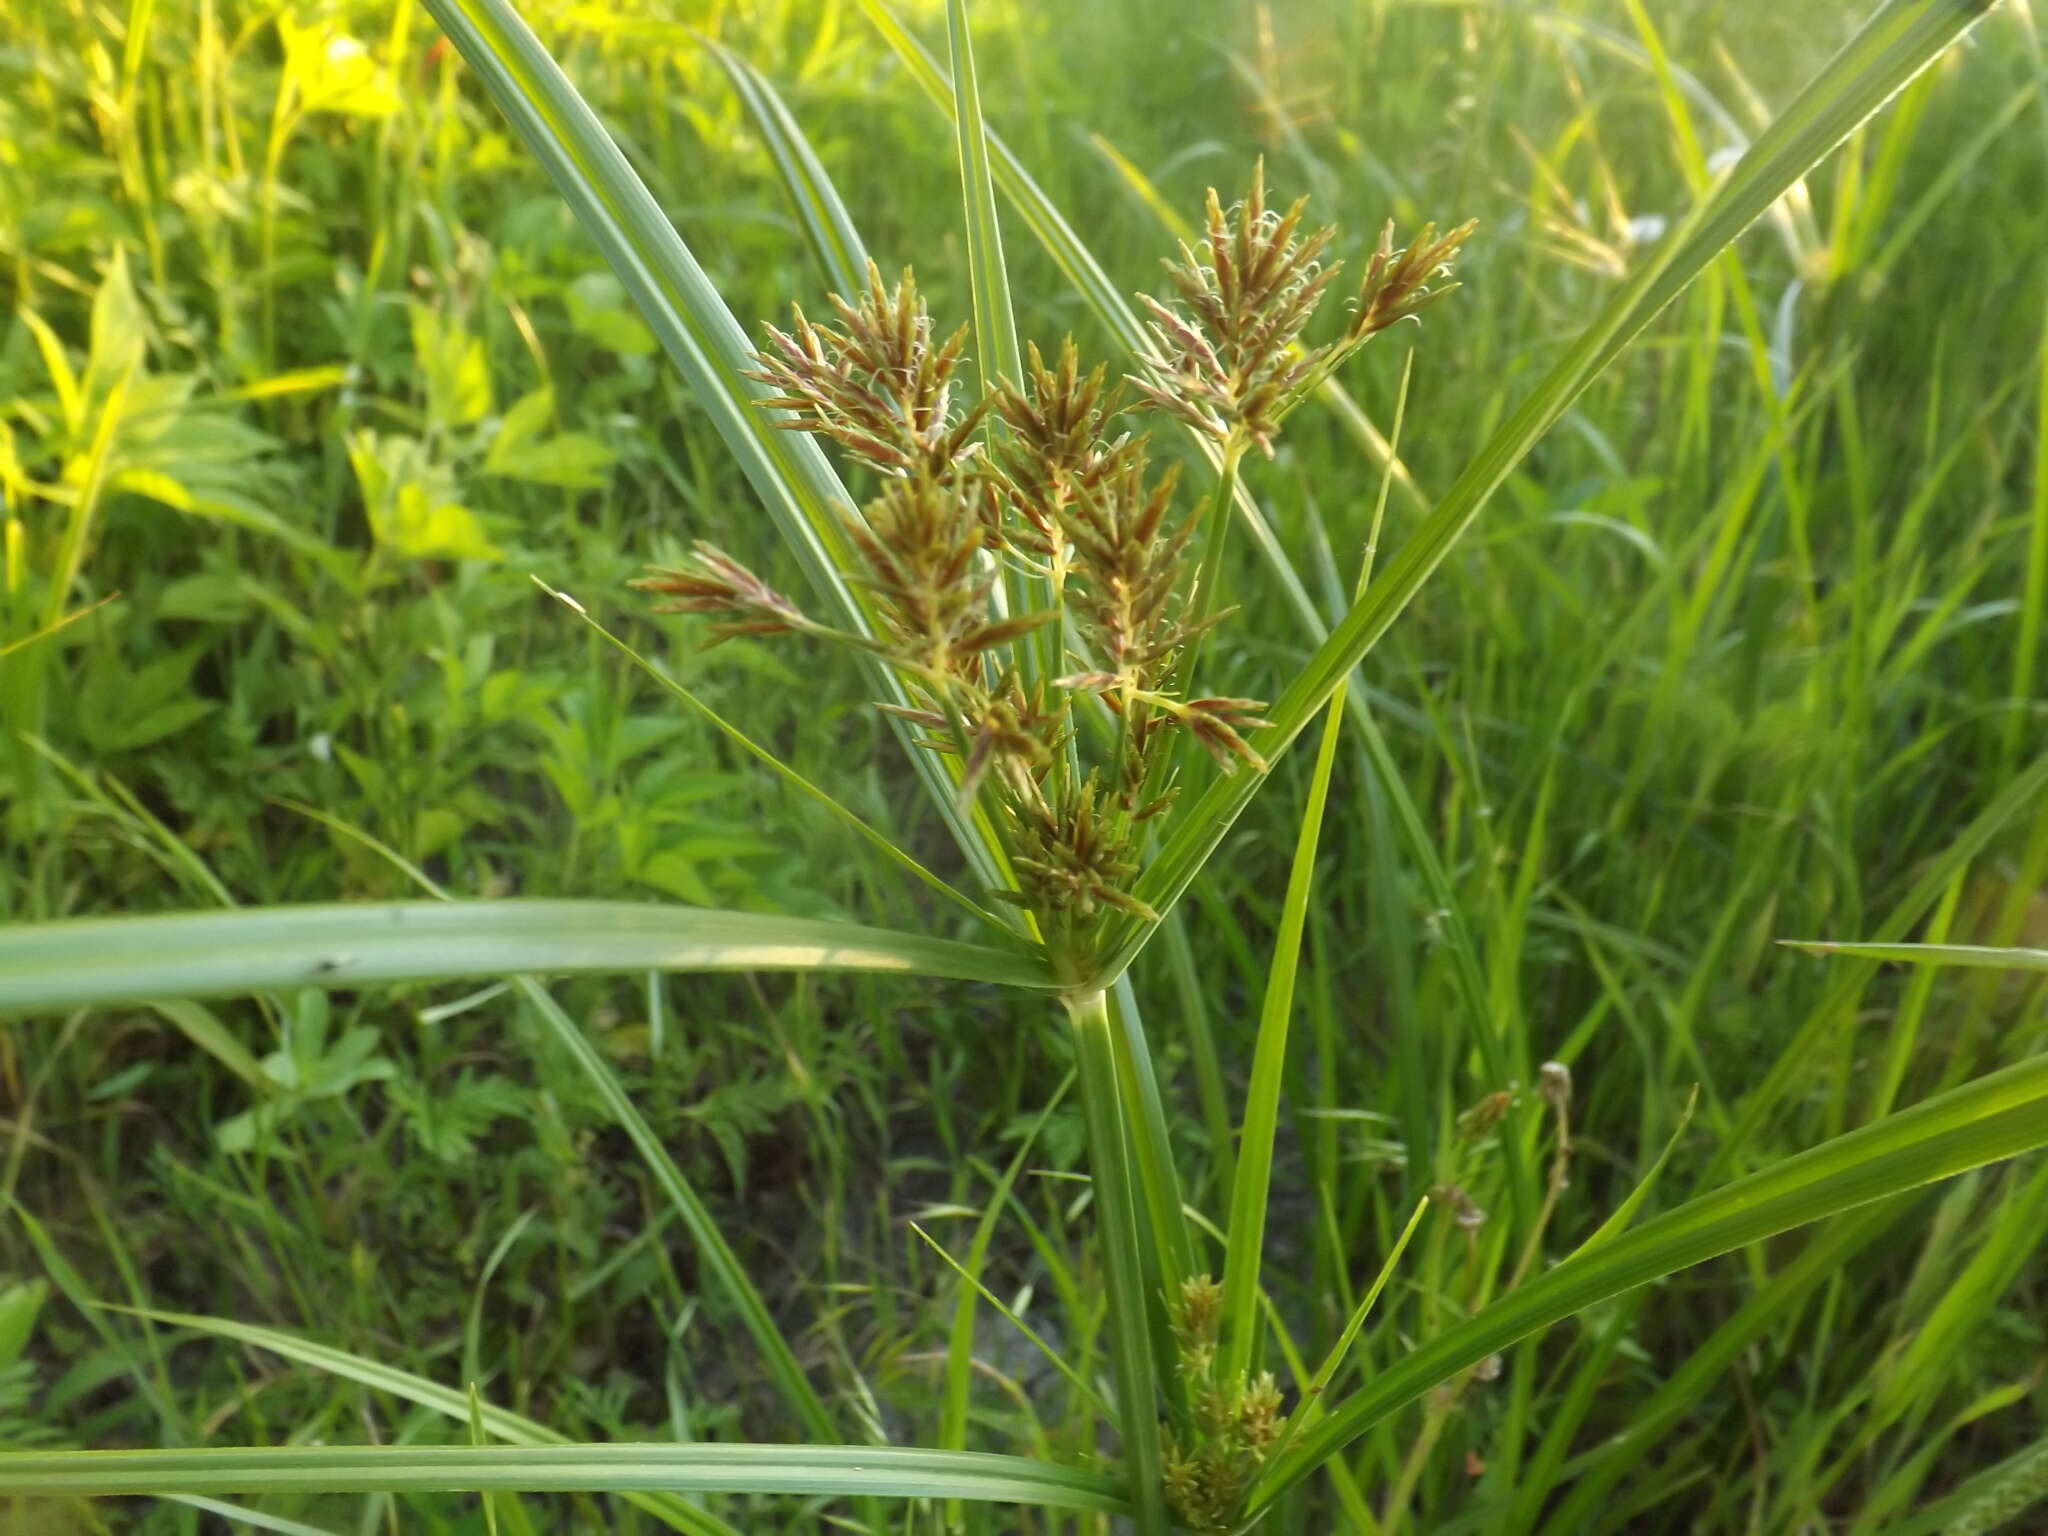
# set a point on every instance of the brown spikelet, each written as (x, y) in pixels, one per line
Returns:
(878, 383)
(1396, 283)
(1058, 421)
(1224, 360)
(711, 582)
(1129, 562)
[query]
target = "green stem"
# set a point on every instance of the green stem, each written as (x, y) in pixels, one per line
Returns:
(1215, 536)
(1170, 1256)
(1115, 1178)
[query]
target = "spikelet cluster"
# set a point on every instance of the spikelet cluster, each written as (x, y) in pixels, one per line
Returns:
(1228, 356)
(1234, 1424)
(1050, 477)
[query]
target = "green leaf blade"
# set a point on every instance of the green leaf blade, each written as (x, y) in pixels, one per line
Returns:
(854, 1471)
(78, 962)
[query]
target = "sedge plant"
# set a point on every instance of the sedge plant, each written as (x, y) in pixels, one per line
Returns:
(1028, 598)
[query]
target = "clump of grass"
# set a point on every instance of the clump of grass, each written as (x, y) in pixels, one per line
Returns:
(1054, 476)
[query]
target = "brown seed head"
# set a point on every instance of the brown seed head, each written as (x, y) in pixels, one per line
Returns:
(878, 383)
(1221, 357)
(711, 582)
(1396, 283)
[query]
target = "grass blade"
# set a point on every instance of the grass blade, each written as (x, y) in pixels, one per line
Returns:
(1246, 1243)
(960, 1341)
(1902, 39)
(827, 226)
(82, 961)
(498, 1423)
(1980, 956)
(995, 321)
(787, 470)
(1309, 1412)
(254, 1519)
(2022, 794)
(998, 354)
(1995, 1117)
(859, 1471)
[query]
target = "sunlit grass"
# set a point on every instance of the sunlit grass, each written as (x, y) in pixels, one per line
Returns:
(1745, 651)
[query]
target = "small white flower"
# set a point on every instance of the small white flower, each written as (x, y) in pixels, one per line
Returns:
(1647, 228)
(321, 745)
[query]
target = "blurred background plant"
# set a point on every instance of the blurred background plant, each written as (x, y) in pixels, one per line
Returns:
(309, 370)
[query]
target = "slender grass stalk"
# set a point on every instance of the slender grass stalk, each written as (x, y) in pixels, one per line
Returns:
(2027, 644)
(1135, 1367)
(1244, 1249)
(500, 1423)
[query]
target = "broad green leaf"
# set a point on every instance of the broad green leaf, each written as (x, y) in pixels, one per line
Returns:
(1995, 1117)
(56, 363)
(424, 526)
(119, 331)
(451, 361)
(410, 504)
(599, 310)
(523, 448)
(877, 1471)
(20, 1305)
(1978, 956)
(1902, 39)
(84, 961)
(787, 470)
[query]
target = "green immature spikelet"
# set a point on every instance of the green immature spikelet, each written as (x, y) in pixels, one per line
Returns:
(1234, 1424)
(1058, 488)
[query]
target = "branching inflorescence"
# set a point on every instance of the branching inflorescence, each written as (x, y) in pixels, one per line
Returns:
(1050, 474)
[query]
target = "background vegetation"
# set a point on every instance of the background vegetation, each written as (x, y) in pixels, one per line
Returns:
(309, 372)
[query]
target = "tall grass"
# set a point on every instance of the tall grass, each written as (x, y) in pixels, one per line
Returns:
(1703, 649)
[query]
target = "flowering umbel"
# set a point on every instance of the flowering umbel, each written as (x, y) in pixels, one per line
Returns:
(1062, 712)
